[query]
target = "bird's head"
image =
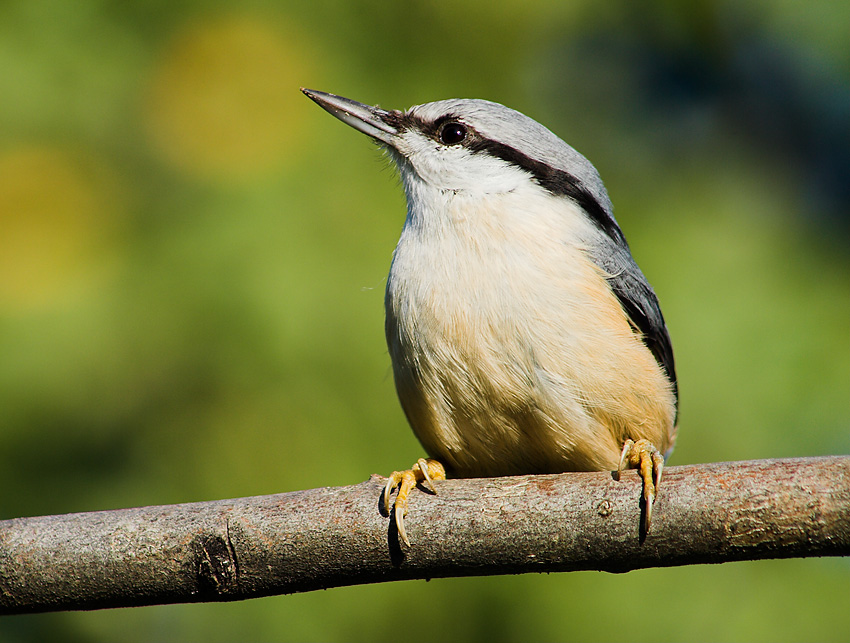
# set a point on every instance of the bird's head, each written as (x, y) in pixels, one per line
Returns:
(469, 144)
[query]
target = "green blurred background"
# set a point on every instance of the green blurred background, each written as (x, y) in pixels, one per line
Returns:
(193, 256)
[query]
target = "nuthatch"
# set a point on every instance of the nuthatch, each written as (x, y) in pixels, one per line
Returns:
(523, 336)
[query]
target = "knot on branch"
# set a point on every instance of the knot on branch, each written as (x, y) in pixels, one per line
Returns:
(218, 572)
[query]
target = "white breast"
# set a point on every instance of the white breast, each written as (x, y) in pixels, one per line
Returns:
(510, 353)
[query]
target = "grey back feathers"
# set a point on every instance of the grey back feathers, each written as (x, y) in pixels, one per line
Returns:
(511, 136)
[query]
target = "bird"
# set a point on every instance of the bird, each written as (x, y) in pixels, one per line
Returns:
(523, 336)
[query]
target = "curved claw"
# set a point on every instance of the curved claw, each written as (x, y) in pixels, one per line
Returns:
(424, 472)
(644, 456)
(399, 522)
(392, 482)
(422, 465)
(628, 445)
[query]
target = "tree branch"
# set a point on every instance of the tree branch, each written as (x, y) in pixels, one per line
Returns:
(305, 540)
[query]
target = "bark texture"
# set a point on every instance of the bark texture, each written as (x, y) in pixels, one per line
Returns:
(301, 541)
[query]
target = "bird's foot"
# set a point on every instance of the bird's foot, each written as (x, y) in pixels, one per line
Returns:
(644, 456)
(424, 472)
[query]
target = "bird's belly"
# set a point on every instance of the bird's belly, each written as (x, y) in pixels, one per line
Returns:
(484, 407)
(508, 366)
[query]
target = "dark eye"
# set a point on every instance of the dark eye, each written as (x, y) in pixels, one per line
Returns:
(452, 133)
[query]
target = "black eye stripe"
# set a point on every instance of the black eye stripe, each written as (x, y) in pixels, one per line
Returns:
(445, 118)
(554, 180)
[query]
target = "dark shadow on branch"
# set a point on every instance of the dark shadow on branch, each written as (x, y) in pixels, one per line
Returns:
(295, 542)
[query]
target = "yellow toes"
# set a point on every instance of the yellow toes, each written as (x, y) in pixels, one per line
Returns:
(643, 455)
(424, 472)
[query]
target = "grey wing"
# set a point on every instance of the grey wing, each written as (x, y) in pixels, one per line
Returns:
(638, 300)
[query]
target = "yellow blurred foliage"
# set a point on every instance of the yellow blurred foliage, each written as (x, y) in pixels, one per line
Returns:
(56, 212)
(224, 101)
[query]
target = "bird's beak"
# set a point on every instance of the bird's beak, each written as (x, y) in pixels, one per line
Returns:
(373, 121)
